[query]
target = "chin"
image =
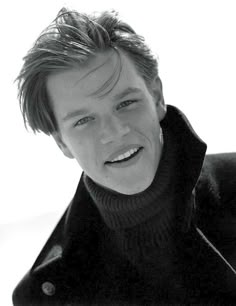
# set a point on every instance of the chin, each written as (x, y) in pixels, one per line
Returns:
(136, 188)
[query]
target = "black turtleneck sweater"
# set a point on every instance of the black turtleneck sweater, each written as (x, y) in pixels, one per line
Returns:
(143, 225)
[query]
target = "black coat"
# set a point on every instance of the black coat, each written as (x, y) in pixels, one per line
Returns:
(79, 266)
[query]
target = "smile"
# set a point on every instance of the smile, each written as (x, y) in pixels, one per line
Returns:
(124, 156)
(128, 155)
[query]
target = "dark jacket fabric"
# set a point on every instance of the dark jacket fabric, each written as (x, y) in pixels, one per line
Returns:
(79, 265)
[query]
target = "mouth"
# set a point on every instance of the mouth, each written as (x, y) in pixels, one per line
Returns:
(124, 158)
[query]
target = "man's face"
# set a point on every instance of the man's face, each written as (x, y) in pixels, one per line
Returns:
(115, 137)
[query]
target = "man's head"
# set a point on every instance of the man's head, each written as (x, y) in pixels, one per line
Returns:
(93, 84)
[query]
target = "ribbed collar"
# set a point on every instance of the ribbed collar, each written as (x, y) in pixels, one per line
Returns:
(125, 211)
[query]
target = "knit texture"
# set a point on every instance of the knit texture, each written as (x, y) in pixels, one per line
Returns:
(142, 226)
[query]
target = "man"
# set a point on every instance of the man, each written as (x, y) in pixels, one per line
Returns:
(153, 219)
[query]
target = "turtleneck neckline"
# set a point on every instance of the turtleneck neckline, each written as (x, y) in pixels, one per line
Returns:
(125, 211)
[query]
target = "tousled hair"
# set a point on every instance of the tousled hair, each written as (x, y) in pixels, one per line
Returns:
(71, 39)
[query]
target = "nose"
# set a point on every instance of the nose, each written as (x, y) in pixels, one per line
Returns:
(113, 129)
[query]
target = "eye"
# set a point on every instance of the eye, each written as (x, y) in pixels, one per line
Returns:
(126, 104)
(83, 121)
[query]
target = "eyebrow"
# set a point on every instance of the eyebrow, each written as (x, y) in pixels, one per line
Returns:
(119, 96)
(75, 113)
(126, 92)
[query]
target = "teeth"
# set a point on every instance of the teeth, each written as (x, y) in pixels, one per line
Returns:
(125, 155)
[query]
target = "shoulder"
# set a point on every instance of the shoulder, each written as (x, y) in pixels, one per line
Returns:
(222, 168)
(216, 193)
(218, 179)
(216, 202)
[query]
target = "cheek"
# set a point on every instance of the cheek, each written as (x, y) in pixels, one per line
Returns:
(86, 151)
(150, 124)
(154, 134)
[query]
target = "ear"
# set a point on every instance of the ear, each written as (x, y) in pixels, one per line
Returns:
(63, 147)
(157, 93)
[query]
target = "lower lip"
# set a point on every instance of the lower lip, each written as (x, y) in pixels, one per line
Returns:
(127, 163)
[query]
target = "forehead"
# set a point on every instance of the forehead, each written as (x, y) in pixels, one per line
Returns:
(107, 73)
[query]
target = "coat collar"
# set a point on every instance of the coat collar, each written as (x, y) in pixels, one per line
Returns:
(190, 156)
(192, 149)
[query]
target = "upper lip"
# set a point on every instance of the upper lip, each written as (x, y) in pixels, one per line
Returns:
(122, 150)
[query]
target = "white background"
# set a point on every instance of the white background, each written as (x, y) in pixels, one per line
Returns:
(196, 45)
